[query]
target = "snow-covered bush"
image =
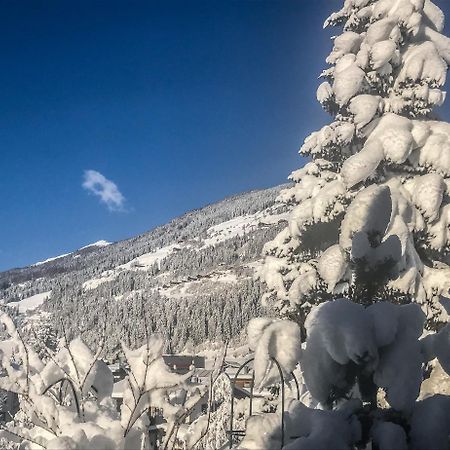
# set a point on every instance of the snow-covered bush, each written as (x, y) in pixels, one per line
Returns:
(371, 207)
(68, 400)
(365, 365)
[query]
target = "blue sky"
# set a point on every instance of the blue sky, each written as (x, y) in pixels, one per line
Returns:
(176, 103)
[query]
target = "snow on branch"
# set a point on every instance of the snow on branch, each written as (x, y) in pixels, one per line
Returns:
(68, 400)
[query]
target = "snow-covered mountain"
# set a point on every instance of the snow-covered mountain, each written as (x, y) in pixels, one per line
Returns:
(192, 279)
(101, 243)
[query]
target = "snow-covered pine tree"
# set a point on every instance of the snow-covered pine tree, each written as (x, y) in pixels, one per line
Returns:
(372, 210)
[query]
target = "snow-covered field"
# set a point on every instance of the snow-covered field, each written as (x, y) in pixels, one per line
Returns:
(31, 303)
(241, 225)
(145, 261)
(109, 275)
(188, 288)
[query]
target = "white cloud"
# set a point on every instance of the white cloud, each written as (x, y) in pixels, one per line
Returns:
(105, 189)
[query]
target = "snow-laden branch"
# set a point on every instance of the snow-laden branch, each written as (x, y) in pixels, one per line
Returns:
(68, 402)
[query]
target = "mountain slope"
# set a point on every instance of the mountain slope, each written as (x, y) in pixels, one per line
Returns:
(191, 280)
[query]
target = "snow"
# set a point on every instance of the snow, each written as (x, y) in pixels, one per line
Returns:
(379, 31)
(324, 92)
(441, 42)
(279, 339)
(101, 243)
(338, 332)
(241, 225)
(51, 259)
(379, 185)
(434, 14)
(145, 261)
(31, 303)
(332, 266)
(394, 133)
(306, 281)
(141, 263)
(399, 371)
(188, 289)
(364, 107)
(340, 133)
(428, 194)
(271, 273)
(386, 71)
(91, 421)
(370, 212)
(437, 383)
(435, 153)
(383, 340)
(423, 62)
(306, 429)
(347, 42)
(7, 348)
(382, 52)
(214, 235)
(360, 166)
(376, 198)
(348, 80)
(96, 282)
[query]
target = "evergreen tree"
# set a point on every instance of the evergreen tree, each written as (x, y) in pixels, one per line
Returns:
(371, 224)
(371, 209)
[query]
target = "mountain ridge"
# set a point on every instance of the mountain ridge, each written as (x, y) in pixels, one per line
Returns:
(207, 256)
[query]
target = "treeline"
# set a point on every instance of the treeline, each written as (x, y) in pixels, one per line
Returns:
(218, 315)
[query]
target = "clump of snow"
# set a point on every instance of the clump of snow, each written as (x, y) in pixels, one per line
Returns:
(273, 339)
(332, 266)
(370, 213)
(306, 429)
(338, 332)
(360, 166)
(364, 107)
(383, 340)
(348, 79)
